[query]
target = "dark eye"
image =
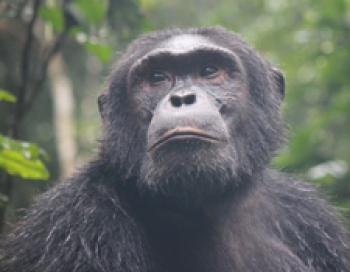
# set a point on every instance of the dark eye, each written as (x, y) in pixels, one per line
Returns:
(157, 77)
(208, 71)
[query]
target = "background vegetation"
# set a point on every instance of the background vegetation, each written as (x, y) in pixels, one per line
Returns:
(56, 54)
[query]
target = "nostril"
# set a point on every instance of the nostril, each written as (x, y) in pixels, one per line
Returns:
(176, 101)
(189, 99)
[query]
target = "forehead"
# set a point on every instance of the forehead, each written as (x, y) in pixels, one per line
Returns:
(185, 43)
(182, 45)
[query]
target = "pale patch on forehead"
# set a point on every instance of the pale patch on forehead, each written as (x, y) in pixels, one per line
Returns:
(185, 43)
(182, 45)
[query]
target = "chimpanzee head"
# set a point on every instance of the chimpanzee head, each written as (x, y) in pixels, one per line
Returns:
(191, 113)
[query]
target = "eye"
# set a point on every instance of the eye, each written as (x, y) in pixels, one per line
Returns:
(208, 71)
(156, 77)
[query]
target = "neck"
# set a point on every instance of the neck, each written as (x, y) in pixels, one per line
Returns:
(183, 235)
(170, 213)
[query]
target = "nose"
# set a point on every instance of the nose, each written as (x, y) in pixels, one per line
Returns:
(182, 99)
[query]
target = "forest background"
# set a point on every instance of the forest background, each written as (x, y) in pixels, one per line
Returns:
(55, 56)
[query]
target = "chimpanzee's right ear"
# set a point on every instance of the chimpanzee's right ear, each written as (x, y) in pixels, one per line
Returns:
(278, 78)
(101, 101)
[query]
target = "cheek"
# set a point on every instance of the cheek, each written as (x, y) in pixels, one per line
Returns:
(145, 87)
(234, 95)
(241, 95)
(143, 101)
(218, 81)
(236, 106)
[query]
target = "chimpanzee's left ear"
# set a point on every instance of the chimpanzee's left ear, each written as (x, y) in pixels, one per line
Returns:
(279, 81)
(101, 101)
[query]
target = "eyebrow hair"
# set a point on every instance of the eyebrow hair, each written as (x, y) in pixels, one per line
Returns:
(162, 54)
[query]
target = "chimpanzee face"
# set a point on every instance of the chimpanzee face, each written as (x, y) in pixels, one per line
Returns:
(196, 105)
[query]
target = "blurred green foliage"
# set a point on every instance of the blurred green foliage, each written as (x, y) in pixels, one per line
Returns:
(22, 159)
(19, 158)
(93, 11)
(308, 40)
(53, 16)
(6, 96)
(87, 34)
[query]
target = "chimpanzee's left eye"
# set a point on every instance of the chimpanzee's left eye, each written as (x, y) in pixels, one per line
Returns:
(157, 77)
(208, 71)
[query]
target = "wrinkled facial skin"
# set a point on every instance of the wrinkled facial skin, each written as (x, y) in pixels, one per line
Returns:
(193, 96)
(196, 118)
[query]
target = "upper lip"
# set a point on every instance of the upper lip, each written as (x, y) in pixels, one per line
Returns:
(183, 131)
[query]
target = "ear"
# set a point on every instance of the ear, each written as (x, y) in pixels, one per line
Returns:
(101, 101)
(278, 79)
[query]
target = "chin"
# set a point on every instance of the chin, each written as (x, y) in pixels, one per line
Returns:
(190, 169)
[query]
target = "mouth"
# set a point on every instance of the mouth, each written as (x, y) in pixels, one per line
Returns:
(181, 134)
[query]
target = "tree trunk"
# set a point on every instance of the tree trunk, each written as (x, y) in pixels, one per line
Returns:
(63, 103)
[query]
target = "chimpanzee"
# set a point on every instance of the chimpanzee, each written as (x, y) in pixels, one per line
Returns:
(191, 120)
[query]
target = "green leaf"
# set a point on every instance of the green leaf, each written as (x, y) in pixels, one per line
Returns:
(93, 10)
(7, 96)
(74, 30)
(16, 164)
(148, 4)
(22, 159)
(100, 50)
(53, 16)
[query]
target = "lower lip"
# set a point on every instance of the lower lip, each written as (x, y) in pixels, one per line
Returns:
(183, 138)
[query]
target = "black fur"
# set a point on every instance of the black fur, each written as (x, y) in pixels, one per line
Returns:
(109, 217)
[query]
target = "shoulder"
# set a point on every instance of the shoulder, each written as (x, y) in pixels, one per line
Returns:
(307, 223)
